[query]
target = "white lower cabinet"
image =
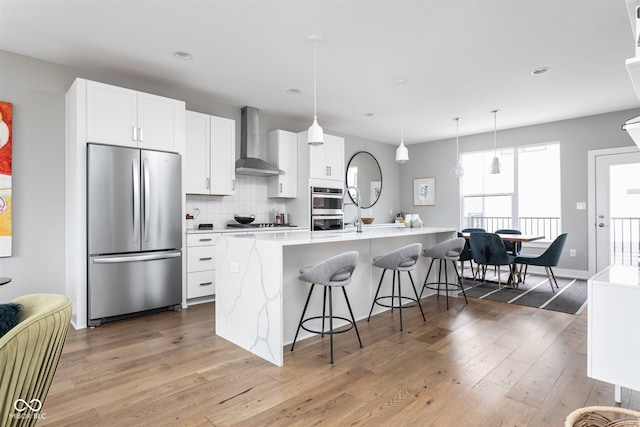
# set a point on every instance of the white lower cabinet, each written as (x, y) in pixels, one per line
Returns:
(613, 331)
(201, 267)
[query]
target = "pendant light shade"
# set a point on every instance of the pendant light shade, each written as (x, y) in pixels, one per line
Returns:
(496, 167)
(457, 170)
(402, 154)
(315, 136)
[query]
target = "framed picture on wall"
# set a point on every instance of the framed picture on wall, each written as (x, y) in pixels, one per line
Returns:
(424, 191)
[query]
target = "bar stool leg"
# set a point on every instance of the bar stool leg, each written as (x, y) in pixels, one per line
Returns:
(304, 310)
(393, 292)
(446, 278)
(377, 292)
(352, 317)
(324, 303)
(330, 322)
(460, 281)
(427, 278)
(415, 291)
(399, 297)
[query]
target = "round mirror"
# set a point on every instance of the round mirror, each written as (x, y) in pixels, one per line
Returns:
(364, 173)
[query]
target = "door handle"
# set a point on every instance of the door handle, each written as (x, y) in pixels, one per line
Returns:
(601, 224)
(146, 199)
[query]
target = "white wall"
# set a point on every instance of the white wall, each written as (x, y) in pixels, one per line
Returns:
(576, 137)
(37, 90)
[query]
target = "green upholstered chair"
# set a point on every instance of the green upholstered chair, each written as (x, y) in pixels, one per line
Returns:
(29, 355)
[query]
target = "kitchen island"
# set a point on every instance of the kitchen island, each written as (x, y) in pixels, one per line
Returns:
(259, 297)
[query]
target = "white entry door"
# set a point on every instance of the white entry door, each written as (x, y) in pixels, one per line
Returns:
(617, 208)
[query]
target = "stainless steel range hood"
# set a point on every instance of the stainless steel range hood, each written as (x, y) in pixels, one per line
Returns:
(249, 162)
(632, 126)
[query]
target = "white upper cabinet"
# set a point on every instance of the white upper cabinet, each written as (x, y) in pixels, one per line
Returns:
(210, 155)
(326, 161)
(120, 116)
(282, 151)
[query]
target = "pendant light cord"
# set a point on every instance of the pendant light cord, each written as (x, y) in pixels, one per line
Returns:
(495, 133)
(315, 66)
(457, 119)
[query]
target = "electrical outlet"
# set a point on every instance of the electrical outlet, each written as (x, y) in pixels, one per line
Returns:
(234, 267)
(572, 252)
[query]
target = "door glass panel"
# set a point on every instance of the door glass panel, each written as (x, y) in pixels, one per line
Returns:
(624, 210)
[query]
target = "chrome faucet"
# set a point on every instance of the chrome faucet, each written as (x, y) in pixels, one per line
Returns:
(357, 202)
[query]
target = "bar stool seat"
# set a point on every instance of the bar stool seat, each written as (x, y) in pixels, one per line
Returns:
(330, 273)
(401, 259)
(449, 250)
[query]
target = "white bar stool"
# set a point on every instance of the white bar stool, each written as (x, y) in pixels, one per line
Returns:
(449, 250)
(332, 272)
(402, 259)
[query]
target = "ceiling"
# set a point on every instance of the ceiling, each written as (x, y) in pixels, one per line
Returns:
(460, 58)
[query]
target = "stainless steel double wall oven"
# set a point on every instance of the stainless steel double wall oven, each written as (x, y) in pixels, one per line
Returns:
(326, 208)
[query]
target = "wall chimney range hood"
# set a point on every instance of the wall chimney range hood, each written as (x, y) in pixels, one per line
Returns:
(250, 162)
(632, 126)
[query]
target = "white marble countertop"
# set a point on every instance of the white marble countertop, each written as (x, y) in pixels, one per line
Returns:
(246, 230)
(305, 237)
(619, 275)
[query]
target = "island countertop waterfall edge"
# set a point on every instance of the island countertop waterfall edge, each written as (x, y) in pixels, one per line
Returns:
(259, 297)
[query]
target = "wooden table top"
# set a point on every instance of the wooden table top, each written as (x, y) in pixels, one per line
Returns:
(514, 237)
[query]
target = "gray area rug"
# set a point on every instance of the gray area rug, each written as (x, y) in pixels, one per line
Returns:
(570, 297)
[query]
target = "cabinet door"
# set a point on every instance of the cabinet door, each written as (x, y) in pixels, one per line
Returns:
(159, 122)
(111, 115)
(196, 157)
(223, 156)
(326, 161)
(317, 161)
(334, 157)
(283, 152)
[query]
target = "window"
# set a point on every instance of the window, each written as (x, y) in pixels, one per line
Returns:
(525, 196)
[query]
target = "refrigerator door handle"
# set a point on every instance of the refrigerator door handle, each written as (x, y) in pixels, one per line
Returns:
(137, 258)
(136, 200)
(146, 199)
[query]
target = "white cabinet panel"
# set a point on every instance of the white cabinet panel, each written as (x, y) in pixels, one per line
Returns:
(282, 151)
(201, 264)
(326, 161)
(613, 334)
(120, 116)
(209, 155)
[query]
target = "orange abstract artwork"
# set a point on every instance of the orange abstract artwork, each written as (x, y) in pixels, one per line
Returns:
(6, 142)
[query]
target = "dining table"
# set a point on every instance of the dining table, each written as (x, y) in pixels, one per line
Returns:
(515, 238)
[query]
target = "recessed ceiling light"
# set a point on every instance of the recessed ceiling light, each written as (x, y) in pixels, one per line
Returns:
(293, 91)
(541, 70)
(182, 55)
(369, 114)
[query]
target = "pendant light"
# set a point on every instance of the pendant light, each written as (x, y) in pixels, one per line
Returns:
(457, 170)
(496, 167)
(402, 154)
(315, 136)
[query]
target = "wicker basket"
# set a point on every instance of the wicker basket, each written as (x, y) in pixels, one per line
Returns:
(601, 416)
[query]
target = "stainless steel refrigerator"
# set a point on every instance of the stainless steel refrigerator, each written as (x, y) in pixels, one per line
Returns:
(134, 231)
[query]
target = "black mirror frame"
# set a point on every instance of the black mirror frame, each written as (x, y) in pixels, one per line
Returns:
(346, 174)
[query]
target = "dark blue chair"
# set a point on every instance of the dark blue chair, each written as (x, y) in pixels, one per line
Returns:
(488, 249)
(465, 255)
(548, 259)
(511, 245)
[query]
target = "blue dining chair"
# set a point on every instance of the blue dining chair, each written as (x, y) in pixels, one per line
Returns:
(488, 249)
(465, 255)
(548, 259)
(511, 245)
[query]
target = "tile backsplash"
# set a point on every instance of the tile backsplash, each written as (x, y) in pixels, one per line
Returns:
(250, 198)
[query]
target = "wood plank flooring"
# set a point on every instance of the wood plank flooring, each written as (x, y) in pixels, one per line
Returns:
(481, 364)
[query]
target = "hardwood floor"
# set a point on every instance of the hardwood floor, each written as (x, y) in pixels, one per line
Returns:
(481, 364)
